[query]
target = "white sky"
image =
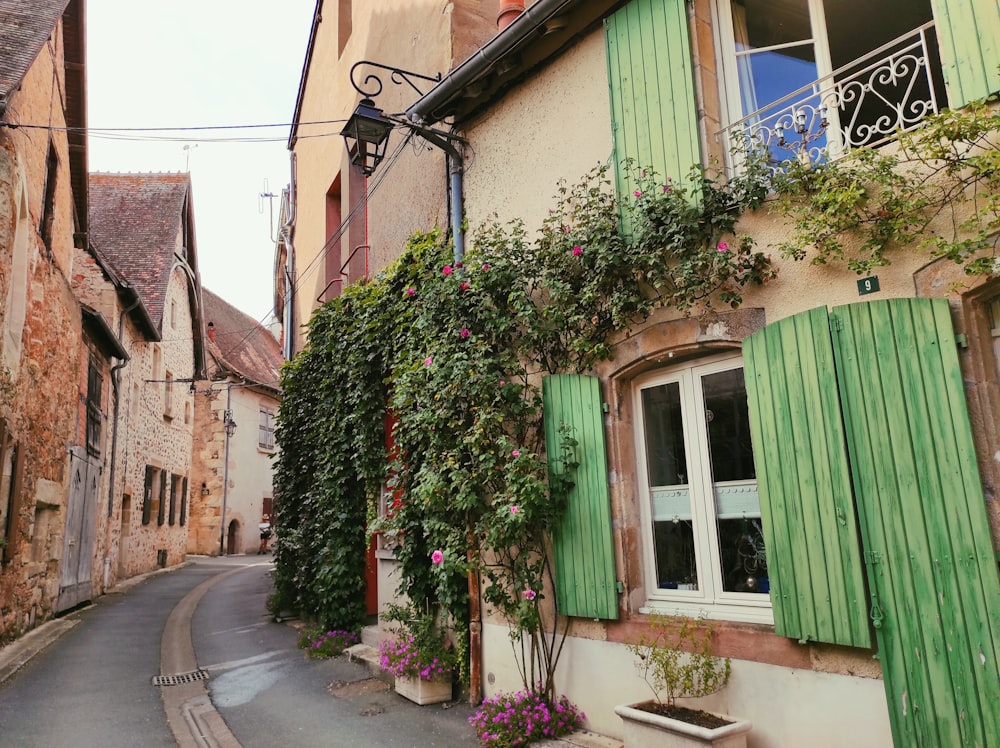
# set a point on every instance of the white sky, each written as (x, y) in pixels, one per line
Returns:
(194, 63)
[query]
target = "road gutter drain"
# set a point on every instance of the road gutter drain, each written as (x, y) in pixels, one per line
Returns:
(177, 680)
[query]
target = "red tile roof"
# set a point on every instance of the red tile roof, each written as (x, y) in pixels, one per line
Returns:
(135, 221)
(24, 28)
(242, 346)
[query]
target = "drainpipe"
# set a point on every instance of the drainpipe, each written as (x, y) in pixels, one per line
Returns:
(456, 170)
(457, 203)
(288, 313)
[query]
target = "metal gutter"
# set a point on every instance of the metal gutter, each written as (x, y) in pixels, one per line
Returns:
(532, 20)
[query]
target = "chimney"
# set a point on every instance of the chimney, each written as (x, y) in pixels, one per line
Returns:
(211, 331)
(509, 10)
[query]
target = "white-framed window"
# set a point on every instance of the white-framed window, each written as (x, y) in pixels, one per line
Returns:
(704, 543)
(867, 67)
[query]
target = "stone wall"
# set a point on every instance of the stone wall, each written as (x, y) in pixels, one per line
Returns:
(40, 323)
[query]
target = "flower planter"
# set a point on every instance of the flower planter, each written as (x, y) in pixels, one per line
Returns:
(647, 730)
(421, 691)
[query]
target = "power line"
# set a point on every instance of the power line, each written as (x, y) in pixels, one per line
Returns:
(148, 134)
(333, 238)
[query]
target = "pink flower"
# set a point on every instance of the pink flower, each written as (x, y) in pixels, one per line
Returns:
(666, 188)
(447, 270)
(637, 193)
(566, 229)
(486, 266)
(577, 250)
(515, 453)
(437, 557)
(722, 247)
(502, 383)
(464, 332)
(464, 286)
(428, 361)
(529, 594)
(410, 291)
(514, 509)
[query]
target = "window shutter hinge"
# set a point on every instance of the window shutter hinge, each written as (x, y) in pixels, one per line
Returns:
(619, 586)
(836, 323)
(962, 340)
(605, 408)
(873, 557)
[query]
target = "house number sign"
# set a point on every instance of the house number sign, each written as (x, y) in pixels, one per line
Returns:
(868, 285)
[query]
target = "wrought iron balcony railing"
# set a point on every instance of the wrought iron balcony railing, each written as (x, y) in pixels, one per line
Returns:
(863, 104)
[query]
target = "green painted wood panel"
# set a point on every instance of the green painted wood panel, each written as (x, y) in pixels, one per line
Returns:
(810, 531)
(969, 37)
(583, 546)
(929, 556)
(653, 107)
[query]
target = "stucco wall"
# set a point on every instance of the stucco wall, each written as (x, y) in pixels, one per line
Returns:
(515, 176)
(598, 675)
(407, 193)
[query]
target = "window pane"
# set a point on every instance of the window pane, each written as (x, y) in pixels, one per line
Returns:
(728, 426)
(744, 563)
(767, 74)
(665, 456)
(737, 506)
(666, 460)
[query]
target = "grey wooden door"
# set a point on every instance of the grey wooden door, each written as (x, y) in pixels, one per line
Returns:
(76, 567)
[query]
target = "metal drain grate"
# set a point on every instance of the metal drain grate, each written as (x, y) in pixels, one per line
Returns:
(176, 680)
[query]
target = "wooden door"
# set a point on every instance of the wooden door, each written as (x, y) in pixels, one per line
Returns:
(76, 566)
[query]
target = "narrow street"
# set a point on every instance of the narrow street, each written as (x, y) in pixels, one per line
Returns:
(93, 685)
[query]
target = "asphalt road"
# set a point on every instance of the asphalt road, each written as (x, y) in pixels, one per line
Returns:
(93, 685)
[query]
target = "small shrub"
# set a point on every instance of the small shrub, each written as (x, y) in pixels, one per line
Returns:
(676, 661)
(321, 644)
(521, 718)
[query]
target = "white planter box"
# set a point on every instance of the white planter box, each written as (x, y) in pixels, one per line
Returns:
(647, 730)
(421, 691)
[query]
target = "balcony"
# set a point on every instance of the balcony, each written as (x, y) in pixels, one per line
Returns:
(860, 105)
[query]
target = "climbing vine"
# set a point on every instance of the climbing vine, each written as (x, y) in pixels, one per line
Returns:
(454, 353)
(446, 360)
(934, 190)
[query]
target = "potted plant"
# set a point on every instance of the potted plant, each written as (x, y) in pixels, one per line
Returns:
(675, 660)
(419, 656)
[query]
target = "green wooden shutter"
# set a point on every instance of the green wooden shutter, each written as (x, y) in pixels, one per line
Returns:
(583, 549)
(653, 107)
(803, 479)
(969, 37)
(933, 577)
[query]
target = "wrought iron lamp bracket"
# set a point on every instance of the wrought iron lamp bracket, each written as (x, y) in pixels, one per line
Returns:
(371, 85)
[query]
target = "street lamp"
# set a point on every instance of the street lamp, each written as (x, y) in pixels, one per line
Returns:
(366, 135)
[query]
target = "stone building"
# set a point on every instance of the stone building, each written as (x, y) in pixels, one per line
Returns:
(232, 468)
(43, 215)
(144, 275)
